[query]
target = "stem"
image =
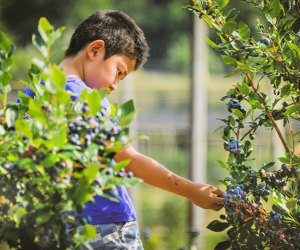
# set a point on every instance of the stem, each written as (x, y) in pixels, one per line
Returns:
(4, 100)
(293, 137)
(269, 114)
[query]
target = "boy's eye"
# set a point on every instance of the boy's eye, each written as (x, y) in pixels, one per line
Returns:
(119, 72)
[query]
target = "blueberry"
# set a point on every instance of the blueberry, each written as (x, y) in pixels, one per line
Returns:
(109, 171)
(265, 41)
(240, 97)
(284, 167)
(260, 185)
(129, 174)
(285, 104)
(223, 217)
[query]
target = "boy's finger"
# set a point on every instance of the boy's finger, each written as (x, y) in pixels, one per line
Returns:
(217, 200)
(216, 207)
(216, 191)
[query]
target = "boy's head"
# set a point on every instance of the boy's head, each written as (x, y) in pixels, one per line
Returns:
(119, 32)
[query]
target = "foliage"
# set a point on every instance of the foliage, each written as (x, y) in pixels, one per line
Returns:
(55, 154)
(262, 207)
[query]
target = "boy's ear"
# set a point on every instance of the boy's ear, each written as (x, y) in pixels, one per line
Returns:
(95, 48)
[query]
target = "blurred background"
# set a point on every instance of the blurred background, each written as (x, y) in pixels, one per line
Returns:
(162, 93)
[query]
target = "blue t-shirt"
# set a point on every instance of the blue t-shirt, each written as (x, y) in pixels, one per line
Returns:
(102, 210)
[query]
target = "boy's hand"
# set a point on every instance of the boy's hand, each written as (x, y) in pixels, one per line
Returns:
(206, 196)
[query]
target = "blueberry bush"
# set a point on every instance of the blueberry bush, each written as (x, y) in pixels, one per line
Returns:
(262, 203)
(55, 153)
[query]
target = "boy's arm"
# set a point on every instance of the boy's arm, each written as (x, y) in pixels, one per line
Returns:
(152, 172)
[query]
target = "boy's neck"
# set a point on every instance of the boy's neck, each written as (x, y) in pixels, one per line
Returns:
(72, 66)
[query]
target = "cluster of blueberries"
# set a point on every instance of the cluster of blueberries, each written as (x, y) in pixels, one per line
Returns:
(233, 146)
(260, 191)
(122, 173)
(235, 103)
(279, 232)
(278, 179)
(270, 226)
(86, 129)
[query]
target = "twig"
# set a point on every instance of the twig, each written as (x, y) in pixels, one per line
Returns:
(269, 114)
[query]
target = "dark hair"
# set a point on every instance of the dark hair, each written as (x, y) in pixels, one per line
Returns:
(119, 32)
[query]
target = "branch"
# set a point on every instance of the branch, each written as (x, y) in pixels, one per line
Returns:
(269, 114)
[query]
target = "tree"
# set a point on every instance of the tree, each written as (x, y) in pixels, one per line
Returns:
(262, 204)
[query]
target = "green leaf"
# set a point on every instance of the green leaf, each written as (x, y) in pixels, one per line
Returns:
(57, 77)
(18, 213)
(5, 43)
(224, 165)
(91, 172)
(292, 109)
(42, 218)
(243, 88)
(234, 72)
(229, 27)
(231, 120)
(279, 200)
(120, 165)
(244, 30)
(222, 3)
(11, 115)
(126, 113)
(129, 182)
(270, 164)
(284, 160)
(217, 226)
(50, 160)
(285, 90)
(113, 110)
(58, 137)
(291, 204)
(36, 112)
(89, 231)
(2, 130)
(211, 43)
(273, 9)
(5, 78)
(38, 44)
(228, 60)
(93, 99)
(7, 64)
(44, 28)
(223, 245)
(23, 127)
(238, 113)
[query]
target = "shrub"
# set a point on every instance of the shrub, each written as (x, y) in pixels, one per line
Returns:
(55, 154)
(262, 203)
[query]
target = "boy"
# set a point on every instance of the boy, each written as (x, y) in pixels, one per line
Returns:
(103, 50)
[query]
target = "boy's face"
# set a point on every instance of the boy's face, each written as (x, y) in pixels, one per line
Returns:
(106, 73)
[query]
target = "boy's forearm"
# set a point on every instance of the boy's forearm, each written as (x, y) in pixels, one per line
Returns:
(155, 174)
(152, 172)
